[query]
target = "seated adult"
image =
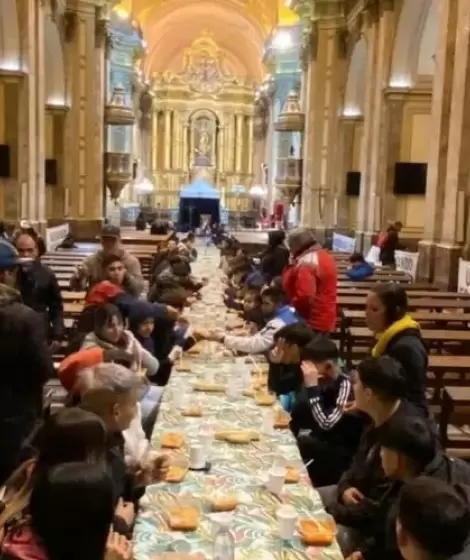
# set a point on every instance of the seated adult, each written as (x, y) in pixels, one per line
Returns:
(39, 288)
(285, 375)
(115, 272)
(277, 314)
(398, 336)
(109, 334)
(92, 271)
(310, 281)
(325, 434)
(408, 450)
(140, 222)
(359, 268)
(69, 435)
(433, 520)
(187, 247)
(379, 390)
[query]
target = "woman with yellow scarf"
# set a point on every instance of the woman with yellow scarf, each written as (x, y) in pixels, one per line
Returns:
(398, 336)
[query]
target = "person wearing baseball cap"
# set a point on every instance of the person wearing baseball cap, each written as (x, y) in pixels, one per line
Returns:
(27, 364)
(93, 268)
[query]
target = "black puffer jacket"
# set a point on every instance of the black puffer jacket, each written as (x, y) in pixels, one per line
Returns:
(26, 366)
(40, 291)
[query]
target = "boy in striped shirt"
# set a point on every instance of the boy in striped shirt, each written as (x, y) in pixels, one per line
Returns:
(324, 432)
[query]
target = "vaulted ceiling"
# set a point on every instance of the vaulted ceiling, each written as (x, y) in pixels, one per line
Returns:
(239, 27)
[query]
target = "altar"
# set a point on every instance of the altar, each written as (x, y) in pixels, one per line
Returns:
(202, 128)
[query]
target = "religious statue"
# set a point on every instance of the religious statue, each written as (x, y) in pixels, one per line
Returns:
(203, 148)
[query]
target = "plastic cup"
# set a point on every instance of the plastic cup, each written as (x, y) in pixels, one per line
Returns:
(197, 456)
(276, 477)
(287, 521)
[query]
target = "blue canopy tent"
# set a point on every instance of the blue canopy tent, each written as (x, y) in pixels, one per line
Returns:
(197, 199)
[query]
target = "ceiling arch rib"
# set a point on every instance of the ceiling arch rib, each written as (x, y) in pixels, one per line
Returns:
(9, 36)
(411, 27)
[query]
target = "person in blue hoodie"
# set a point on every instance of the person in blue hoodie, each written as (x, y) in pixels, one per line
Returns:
(359, 268)
(277, 313)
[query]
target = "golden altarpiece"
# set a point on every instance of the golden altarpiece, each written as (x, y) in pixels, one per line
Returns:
(202, 126)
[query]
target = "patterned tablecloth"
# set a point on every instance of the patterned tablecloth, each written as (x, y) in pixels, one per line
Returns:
(240, 469)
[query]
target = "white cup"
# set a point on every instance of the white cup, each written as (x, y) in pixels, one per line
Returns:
(287, 520)
(268, 421)
(276, 477)
(197, 456)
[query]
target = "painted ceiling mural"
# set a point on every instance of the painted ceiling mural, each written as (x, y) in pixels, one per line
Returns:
(238, 27)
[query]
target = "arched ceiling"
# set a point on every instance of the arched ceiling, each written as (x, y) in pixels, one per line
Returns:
(239, 27)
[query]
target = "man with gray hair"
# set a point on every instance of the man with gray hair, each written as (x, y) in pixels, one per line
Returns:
(310, 281)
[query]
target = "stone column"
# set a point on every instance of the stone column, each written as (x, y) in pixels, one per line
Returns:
(344, 165)
(326, 74)
(85, 62)
(394, 119)
(380, 34)
(31, 116)
(250, 146)
(448, 62)
(238, 143)
(448, 247)
(230, 144)
(167, 141)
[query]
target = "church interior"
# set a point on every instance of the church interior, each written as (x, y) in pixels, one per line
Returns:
(351, 113)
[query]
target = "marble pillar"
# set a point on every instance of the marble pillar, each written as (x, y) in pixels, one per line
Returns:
(250, 145)
(238, 143)
(220, 149)
(31, 115)
(84, 131)
(167, 141)
(326, 75)
(184, 163)
(439, 142)
(380, 33)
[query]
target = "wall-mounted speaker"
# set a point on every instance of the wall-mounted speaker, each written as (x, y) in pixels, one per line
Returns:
(5, 161)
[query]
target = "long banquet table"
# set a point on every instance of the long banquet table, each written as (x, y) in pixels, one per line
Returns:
(235, 468)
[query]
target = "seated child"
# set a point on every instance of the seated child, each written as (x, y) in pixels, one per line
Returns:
(433, 520)
(285, 376)
(325, 434)
(111, 391)
(359, 268)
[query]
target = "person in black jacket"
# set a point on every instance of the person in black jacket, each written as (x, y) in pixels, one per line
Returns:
(26, 364)
(140, 222)
(398, 336)
(379, 391)
(275, 257)
(325, 434)
(39, 288)
(433, 520)
(408, 450)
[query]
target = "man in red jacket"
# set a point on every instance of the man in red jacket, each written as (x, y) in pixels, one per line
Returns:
(310, 281)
